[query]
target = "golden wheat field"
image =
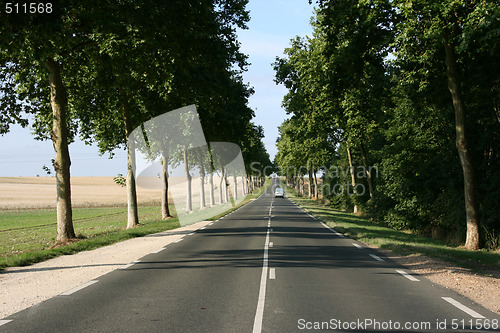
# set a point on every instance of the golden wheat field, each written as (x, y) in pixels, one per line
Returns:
(40, 192)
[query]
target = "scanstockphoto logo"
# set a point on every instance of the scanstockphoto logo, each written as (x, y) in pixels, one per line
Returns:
(203, 179)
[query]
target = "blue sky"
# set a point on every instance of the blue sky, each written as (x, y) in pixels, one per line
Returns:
(273, 23)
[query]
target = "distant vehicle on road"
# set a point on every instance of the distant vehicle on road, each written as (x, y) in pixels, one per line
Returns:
(279, 192)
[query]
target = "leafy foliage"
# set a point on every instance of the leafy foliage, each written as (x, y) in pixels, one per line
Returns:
(118, 71)
(380, 77)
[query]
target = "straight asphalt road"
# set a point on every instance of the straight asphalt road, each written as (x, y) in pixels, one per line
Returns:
(267, 267)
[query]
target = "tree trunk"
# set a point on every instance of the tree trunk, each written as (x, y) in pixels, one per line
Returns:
(62, 161)
(369, 178)
(226, 185)
(133, 216)
(244, 185)
(310, 193)
(297, 181)
(202, 180)
(221, 186)
(302, 183)
(353, 176)
(211, 182)
(165, 209)
(471, 204)
(189, 202)
(250, 184)
(235, 194)
(322, 187)
(316, 194)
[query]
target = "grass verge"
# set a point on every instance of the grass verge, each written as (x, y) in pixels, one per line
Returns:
(28, 236)
(400, 242)
(100, 227)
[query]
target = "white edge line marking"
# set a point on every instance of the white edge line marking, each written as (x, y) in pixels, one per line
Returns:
(177, 241)
(202, 228)
(406, 275)
(74, 290)
(159, 250)
(357, 245)
(130, 264)
(5, 321)
(462, 307)
(376, 257)
(259, 314)
(272, 273)
(271, 244)
(210, 223)
(191, 234)
(332, 230)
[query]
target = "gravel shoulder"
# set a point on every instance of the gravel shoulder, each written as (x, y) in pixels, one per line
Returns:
(23, 287)
(482, 289)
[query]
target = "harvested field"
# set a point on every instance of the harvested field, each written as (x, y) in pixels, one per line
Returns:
(87, 192)
(40, 192)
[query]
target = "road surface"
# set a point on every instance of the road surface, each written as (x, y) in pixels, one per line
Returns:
(267, 267)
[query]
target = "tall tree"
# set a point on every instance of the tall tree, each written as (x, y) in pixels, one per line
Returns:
(40, 56)
(442, 30)
(190, 51)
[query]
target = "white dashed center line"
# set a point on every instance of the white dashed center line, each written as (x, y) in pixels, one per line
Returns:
(5, 321)
(272, 273)
(408, 276)
(131, 264)
(74, 290)
(259, 314)
(376, 257)
(462, 307)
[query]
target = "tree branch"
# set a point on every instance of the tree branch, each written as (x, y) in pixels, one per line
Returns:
(78, 47)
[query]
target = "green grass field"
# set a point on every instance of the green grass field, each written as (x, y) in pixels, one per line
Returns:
(401, 242)
(28, 236)
(32, 230)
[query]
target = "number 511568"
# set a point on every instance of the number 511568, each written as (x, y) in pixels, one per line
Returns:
(28, 8)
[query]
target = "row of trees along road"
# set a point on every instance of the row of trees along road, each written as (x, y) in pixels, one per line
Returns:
(98, 69)
(399, 102)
